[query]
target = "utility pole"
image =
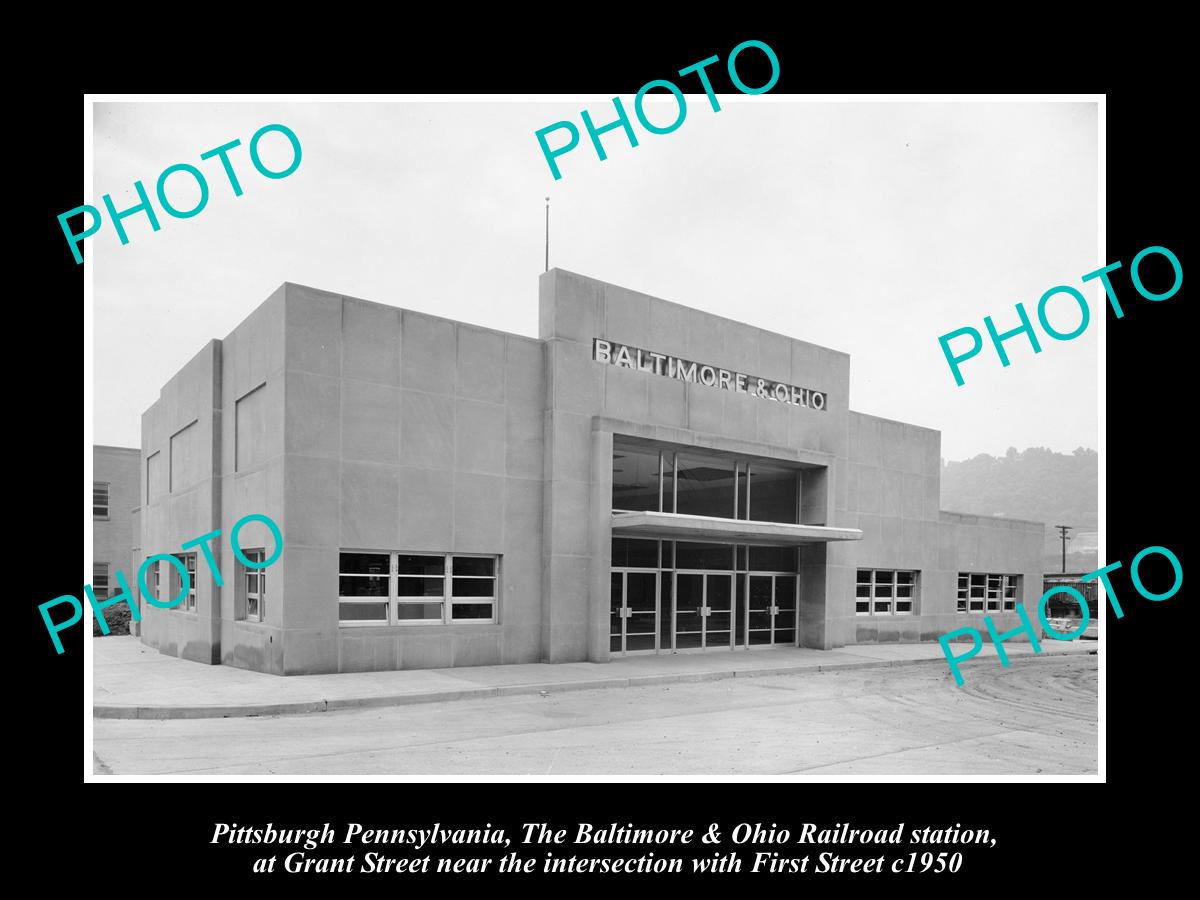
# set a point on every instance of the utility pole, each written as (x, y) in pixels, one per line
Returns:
(1062, 530)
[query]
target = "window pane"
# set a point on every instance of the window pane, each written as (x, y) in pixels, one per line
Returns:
(903, 606)
(364, 564)
(705, 486)
(626, 552)
(772, 493)
(419, 587)
(419, 565)
(772, 559)
(962, 605)
(862, 607)
(883, 606)
(100, 579)
(472, 611)
(477, 587)
(703, 556)
(904, 577)
(977, 579)
(480, 565)
(409, 611)
(363, 586)
(635, 478)
(252, 606)
(904, 590)
(362, 612)
(883, 590)
(864, 576)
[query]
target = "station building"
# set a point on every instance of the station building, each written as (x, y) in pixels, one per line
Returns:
(641, 478)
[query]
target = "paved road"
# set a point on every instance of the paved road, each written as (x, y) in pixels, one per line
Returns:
(1037, 716)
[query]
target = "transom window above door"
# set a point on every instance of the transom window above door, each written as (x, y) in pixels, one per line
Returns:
(703, 484)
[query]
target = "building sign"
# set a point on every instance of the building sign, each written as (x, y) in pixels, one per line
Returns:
(628, 357)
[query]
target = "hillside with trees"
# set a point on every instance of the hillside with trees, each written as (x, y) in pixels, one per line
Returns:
(1038, 484)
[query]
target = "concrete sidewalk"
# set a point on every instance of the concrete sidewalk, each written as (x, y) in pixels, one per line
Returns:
(132, 681)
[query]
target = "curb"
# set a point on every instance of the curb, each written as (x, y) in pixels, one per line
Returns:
(304, 707)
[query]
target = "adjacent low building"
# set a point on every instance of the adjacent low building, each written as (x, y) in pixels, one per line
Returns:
(115, 494)
(642, 478)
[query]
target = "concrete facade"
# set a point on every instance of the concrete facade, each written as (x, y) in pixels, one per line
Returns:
(114, 534)
(361, 427)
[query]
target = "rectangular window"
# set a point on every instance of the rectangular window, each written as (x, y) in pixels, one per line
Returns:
(472, 588)
(975, 599)
(364, 587)
(420, 589)
(99, 500)
(100, 580)
(637, 481)
(986, 592)
(189, 562)
(993, 593)
(1010, 591)
(862, 593)
(416, 589)
(905, 586)
(884, 592)
(254, 586)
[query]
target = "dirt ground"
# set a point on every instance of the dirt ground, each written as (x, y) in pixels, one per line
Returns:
(1039, 715)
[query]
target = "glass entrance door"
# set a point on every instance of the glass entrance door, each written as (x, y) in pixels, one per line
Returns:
(718, 618)
(633, 613)
(703, 610)
(783, 623)
(689, 601)
(770, 611)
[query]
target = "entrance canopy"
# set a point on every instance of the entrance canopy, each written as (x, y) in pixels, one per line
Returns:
(677, 526)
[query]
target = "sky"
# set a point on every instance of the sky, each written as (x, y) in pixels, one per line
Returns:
(871, 228)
